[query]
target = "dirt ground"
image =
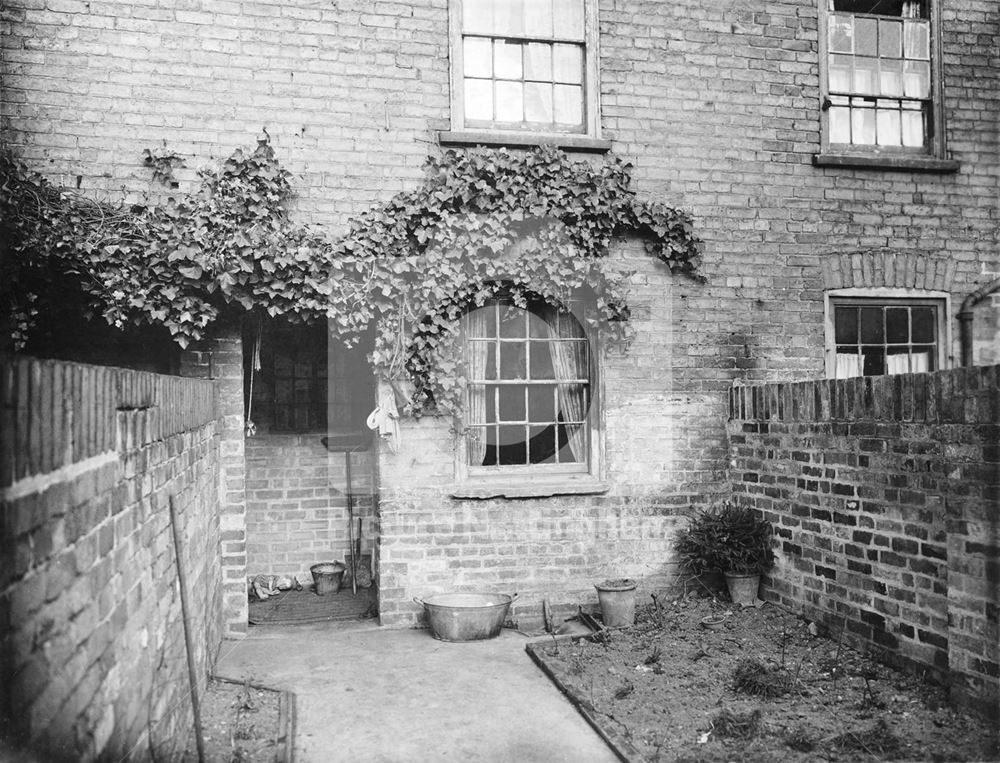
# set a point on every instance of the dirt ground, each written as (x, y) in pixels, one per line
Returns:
(241, 724)
(761, 688)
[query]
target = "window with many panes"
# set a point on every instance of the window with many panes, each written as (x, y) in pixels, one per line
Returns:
(873, 336)
(881, 92)
(529, 390)
(524, 66)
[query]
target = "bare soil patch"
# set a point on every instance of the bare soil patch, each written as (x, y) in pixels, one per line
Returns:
(763, 687)
(243, 723)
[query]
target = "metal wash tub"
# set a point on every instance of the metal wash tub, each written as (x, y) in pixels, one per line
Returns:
(466, 616)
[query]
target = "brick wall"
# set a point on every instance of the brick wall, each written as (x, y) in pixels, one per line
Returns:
(717, 105)
(220, 358)
(93, 662)
(297, 505)
(885, 496)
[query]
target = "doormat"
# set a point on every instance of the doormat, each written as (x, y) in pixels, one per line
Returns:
(306, 607)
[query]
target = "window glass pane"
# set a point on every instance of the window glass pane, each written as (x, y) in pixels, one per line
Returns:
(865, 37)
(490, 371)
(574, 439)
(866, 76)
(512, 321)
(841, 34)
(924, 358)
(512, 446)
(887, 127)
(513, 361)
(841, 73)
(871, 324)
(542, 445)
(508, 16)
(916, 39)
(913, 128)
(507, 60)
(568, 18)
(924, 324)
(538, 18)
(538, 326)
(475, 436)
(890, 39)
(477, 16)
(873, 363)
(863, 126)
(568, 104)
(477, 57)
(512, 403)
(917, 79)
(845, 325)
(542, 405)
(491, 403)
(478, 99)
(840, 124)
(538, 61)
(897, 325)
(541, 360)
(538, 102)
(567, 63)
(573, 403)
(891, 77)
(510, 102)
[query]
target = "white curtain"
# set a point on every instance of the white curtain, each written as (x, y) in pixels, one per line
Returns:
(478, 353)
(915, 363)
(848, 365)
(569, 361)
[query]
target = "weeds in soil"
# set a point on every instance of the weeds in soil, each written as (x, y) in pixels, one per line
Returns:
(800, 738)
(244, 727)
(729, 725)
(753, 677)
(876, 740)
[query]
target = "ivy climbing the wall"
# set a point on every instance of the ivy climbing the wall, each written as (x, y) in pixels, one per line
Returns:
(528, 224)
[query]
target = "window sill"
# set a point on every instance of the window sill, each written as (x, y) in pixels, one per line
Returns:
(517, 140)
(510, 487)
(901, 163)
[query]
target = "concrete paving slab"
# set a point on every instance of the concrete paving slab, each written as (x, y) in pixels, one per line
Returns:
(369, 694)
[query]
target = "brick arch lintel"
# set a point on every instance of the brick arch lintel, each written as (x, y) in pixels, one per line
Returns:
(872, 268)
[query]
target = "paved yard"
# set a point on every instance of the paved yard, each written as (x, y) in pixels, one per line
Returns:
(369, 694)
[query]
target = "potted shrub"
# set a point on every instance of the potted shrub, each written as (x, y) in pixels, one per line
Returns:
(733, 540)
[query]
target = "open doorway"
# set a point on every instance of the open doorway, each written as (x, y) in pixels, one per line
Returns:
(310, 476)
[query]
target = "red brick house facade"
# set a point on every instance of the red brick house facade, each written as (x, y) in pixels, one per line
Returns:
(839, 157)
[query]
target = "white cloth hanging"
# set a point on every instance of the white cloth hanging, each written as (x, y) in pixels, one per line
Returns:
(385, 419)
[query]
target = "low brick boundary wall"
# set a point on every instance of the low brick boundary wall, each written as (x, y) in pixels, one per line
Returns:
(885, 496)
(92, 660)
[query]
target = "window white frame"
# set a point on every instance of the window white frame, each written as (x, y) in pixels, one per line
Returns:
(539, 480)
(525, 134)
(888, 297)
(931, 156)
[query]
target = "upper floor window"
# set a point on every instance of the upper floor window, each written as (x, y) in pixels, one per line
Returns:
(529, 392)
(524, 66)
(872, 336)
(881, 87)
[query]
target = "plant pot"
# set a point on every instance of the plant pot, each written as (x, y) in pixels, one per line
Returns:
(743, 588)
(327, 577)
(617, 599)
(713, 622)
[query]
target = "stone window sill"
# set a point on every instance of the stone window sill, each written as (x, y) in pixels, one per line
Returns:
(519, 140)
(886, 162)
(528, 488)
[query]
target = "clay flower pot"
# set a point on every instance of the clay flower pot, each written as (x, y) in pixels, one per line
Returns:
(617, 599)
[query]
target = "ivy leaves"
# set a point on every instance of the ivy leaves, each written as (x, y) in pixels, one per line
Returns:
(533, 222)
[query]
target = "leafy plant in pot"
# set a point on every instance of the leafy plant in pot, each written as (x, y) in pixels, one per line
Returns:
(730, 539)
